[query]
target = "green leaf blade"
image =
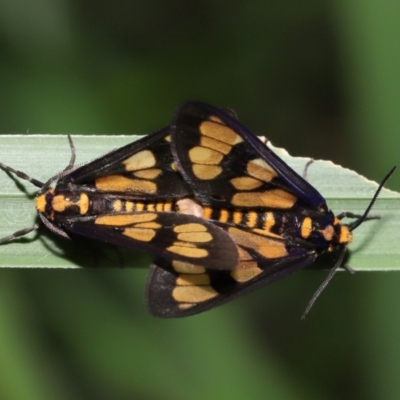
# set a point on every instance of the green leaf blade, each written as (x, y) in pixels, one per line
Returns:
(375, 246)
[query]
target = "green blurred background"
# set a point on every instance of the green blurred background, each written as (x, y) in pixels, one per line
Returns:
(320, 78)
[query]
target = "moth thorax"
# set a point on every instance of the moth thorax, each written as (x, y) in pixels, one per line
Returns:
(337, 234)
(65, 202)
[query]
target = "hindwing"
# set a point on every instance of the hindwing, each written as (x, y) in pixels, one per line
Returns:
(178, 289)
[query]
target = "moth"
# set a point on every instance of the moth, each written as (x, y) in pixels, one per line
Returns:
(221, 212)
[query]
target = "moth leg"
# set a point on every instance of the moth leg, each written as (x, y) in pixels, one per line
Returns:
(19, 233)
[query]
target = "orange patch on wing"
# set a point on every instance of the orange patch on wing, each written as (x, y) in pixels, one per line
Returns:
(142, 160)
(268, 248)
(220, 132)
(245, 183)
(245, 271)
(206, 172)
(258, 168)
(119, 183)
(274, 198)
(125, 219)
(143, 235)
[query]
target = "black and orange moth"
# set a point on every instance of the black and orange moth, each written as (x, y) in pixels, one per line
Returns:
(222, 213)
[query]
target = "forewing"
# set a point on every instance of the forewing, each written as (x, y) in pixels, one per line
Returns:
(142, 169)
(180, 237)
(228, 166)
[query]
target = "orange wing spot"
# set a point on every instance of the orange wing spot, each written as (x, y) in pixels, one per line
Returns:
(268, 248)
(203, 155)
(141, 160)
(190, 227)
(243, 254)
(245, 271)
(125, 219)
(41, 203)
(185, 306)
(119, 183)
(191, 279)
(306, 228)
(223, 148)
(221, 132)
(159, 206)
(193, 294)
(182, 249)
(258, 168)
(187, 268)
(275, 198)
(206, 172)
(196, 237)
(143, 235)
(152, 173)
(245, 183)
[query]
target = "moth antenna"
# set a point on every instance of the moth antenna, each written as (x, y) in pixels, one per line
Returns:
(372, 202)
(341, 258)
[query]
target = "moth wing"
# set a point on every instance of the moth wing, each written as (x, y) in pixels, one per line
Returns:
(141, 169)
(176, 289)
(180, 237)
(226, 165)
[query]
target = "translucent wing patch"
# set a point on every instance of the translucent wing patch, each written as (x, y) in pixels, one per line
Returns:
(227, 166)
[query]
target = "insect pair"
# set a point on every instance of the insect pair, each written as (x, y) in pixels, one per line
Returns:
(221, 212)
